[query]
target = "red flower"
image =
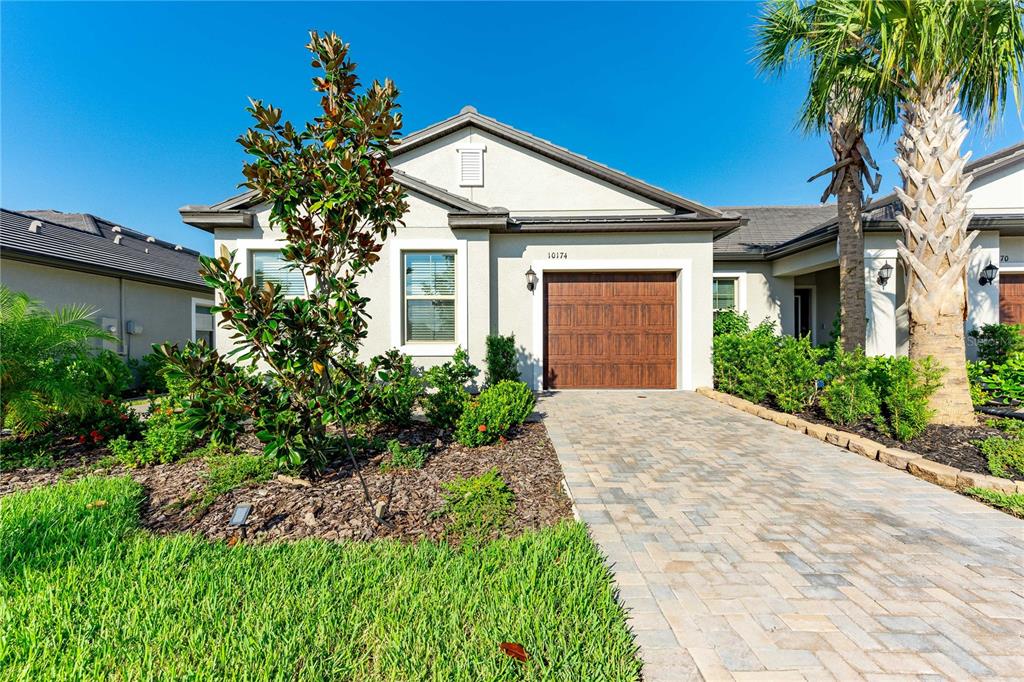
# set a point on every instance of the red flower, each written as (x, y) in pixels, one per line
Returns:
(107, 401)
(124, 417)
(81, 439)
(96, 435)
(482, 428)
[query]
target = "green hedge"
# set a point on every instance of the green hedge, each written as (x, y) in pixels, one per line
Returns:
(790, 374)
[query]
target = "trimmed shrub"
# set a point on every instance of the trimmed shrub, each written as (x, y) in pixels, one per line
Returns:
(997, 342)
(502, 359)
(394, 389)
(743, 362)
(848, 396)
(793, 380)
(730, 322)
(904, 387)
(444, 405)
(494, 413)
(477, 507)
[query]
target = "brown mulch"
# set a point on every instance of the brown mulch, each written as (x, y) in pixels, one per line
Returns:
(333, 506)
(950, 445)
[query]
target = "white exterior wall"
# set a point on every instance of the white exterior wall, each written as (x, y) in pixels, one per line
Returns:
(762, 296)
(518, 311)
(1000, 192)
(522, 181)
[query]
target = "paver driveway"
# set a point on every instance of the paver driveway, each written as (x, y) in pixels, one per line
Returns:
(744, 550)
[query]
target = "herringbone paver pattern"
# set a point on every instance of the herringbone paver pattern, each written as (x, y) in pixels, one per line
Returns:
(744, 550)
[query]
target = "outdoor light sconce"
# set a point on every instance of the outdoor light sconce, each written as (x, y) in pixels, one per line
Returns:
(240, 517)
(988, 275)
(884, 274)
(531, 280)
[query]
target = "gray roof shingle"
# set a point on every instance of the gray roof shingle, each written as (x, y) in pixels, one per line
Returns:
(83, 241)
(769, 226)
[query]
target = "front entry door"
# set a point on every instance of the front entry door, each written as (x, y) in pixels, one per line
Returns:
(802, 301)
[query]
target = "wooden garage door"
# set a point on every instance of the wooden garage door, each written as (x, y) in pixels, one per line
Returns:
(610, 330)
(1011, 298)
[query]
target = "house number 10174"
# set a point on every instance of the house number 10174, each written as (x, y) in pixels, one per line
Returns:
(558, 255)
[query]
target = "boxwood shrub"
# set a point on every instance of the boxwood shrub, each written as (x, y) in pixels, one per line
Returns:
(494, 412)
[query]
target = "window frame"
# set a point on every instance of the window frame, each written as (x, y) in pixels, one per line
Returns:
(740, 299)
(205, 302)
(453, 297)
(396, 301)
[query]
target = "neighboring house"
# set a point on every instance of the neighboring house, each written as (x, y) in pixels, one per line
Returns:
(606, 281)
(146, 290)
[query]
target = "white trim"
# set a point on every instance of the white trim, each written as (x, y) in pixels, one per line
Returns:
(814, 315)
(1009, 268)
(741, 288)
(459, 246)
(192, 317)
(684, 304)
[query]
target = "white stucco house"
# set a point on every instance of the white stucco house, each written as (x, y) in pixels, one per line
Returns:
(607, 281)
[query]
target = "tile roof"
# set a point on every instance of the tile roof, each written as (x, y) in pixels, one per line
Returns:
(86, 242)
(768, 226)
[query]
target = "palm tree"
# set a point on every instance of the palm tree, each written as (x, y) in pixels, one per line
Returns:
(34, 342)
(927, 66)
(785, 34)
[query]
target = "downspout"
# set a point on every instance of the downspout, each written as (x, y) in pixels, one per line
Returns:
(125, 342)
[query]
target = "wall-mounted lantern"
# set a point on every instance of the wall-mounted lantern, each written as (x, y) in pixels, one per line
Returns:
(988, 275)
(884, 274)
(531, 280)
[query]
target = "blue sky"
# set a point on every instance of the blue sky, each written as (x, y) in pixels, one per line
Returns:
(129, 111)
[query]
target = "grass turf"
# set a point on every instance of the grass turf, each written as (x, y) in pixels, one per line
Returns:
(85, 594)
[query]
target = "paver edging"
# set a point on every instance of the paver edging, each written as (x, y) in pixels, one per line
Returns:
(903, 460)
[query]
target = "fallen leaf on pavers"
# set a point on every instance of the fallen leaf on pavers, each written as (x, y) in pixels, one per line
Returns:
(96, 504)
(515, 651)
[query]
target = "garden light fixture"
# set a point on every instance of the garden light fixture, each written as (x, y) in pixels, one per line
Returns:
(988, 275)
(884, 274)
(240, 517)
(531, 280)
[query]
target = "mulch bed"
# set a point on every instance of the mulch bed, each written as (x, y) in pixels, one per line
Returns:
(332, 507)
(950, 445)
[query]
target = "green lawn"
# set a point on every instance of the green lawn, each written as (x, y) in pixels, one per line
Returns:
(85, 594)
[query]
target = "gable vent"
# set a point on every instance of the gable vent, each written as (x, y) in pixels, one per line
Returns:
(471, 165)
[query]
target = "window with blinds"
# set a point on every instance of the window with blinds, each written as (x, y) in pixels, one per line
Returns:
(269, 266)
(723, 294)
(429, 286)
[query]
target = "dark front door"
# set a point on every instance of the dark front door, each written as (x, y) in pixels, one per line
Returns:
(802, 301)
(610, 329)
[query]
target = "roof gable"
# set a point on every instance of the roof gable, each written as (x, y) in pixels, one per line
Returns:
(470, 119)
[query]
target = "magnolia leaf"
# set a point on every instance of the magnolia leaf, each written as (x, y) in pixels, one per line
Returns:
(318, 367)
(514, 650)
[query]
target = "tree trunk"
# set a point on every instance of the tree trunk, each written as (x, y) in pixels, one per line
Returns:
(936, 247)
(852, 165)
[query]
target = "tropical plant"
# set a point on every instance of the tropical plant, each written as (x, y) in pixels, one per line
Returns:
(1000, 383)
(38, 347)
(787, 33)
(997, 342)
(333, 198)
(926, 66)
(502, 359)
(394, 388)
(444, 404)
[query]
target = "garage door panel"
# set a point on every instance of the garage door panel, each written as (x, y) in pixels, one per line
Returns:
(1011, 298)
(610, 330)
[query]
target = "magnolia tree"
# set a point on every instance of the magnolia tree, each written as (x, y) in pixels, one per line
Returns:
(332, 196)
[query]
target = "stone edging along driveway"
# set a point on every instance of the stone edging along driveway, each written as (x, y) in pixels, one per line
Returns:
(911, 462)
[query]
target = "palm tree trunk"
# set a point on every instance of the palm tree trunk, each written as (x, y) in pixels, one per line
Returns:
(852, 166)
(937, 248)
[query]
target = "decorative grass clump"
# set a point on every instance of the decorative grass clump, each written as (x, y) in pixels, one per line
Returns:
(85, 594)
